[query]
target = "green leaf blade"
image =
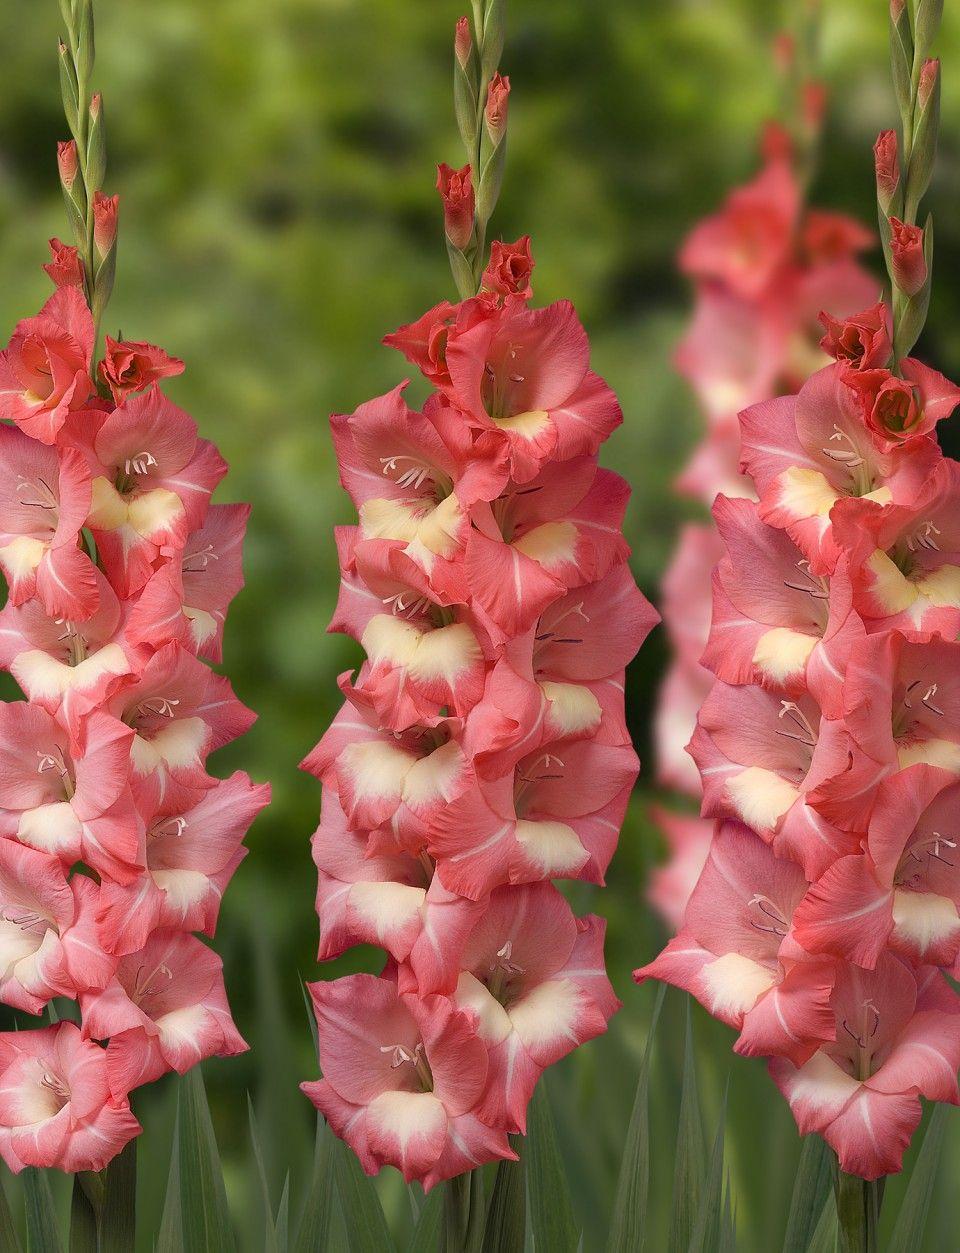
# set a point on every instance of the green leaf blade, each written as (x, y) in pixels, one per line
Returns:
(629, 1220)
(204, 1214)
(551, 1214)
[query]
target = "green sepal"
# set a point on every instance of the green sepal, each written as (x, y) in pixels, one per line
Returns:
(462, 272)
(86, 50)
(901, 61)
(76, 216)
(494, 30)
(69, 89)
(491, 180)
(924, 153)
(927, 24)
(103, 284)
(465, 105)
(96, 152)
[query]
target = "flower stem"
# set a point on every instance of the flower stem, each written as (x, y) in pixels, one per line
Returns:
(463, 1213)
(858, 1212)
(485, 154)
(916, 81)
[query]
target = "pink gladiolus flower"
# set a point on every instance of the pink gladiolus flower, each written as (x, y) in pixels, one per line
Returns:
(510, 269)
(897, 1039)
(70, 801)
(45, 369)
(863, 340)
(67, 667)
(130, 366)
(524, 374)
(152, 484)
(902, 892)
(65, 269)
(190, 856)
(807, 452)
(403, 1079)
(44, 502)
(736, 953)
(47, 931)
(56, 1108)
(164, 1009)
(180, 712)
(187, 599)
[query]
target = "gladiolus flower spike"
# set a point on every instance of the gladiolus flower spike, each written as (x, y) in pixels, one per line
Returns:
(481, 750)
(828, 911)
(763, 268)
(115, 842)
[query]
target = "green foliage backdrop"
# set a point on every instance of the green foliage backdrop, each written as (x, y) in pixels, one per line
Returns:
(275, 162)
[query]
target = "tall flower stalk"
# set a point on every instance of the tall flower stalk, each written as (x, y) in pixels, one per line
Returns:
(829, 745)
(115, 842)
(481, 751)
(763, 268)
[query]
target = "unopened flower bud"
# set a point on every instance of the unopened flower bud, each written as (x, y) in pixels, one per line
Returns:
(459, 205)
(463, 42)
(498, 97)
(69, 162)
(908, 261)
(105, 210)
(96, 104)
(928, 80)
(887, 167)
(896, 9)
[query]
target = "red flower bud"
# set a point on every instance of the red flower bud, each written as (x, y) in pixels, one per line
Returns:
(862, 340)
(66, 268)
(906, 249)
(896, 10)
(105, 210)
(928, 80)
(463, 42)
(456, 191)
(891, 407)
(887, 166)
(69, 162)
(510, 268)
(498, 95)
(96, 104)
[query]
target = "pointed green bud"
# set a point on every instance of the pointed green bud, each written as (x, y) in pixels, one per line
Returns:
(901, 56)
(929, 17)
(925, 135)
(96, 147)
(69, 89)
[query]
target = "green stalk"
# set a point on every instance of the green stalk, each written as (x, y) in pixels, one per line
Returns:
(913, 28)
(463, 1213)
(84, 114)
(858, 1213)
(484, 156)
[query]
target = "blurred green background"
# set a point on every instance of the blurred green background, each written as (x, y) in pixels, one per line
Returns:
(276, 166)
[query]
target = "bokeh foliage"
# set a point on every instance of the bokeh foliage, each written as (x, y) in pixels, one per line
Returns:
(275, 162)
